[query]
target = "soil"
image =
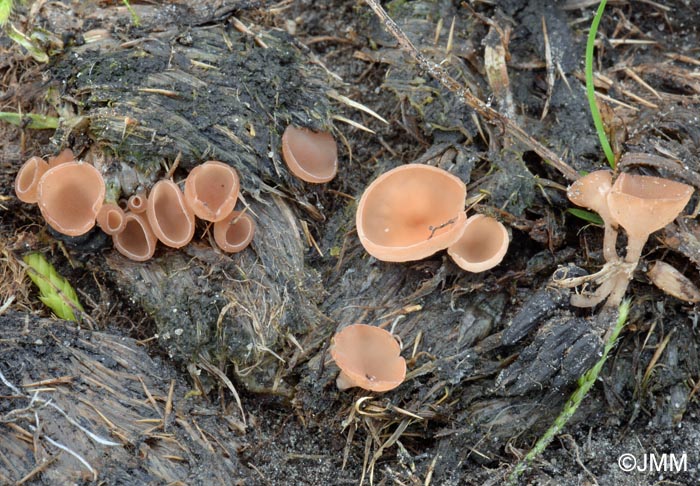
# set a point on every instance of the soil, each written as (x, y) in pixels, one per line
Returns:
(202, 368)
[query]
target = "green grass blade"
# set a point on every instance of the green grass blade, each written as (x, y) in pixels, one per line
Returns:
(54, 290)
(588, 216)
(5, 10)
(37, 122)
(590, 87)
(20, 38)
(585, 382)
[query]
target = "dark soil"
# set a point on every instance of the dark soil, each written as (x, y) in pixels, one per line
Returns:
(492, 357)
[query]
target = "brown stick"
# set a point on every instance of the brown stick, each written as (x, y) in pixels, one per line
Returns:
(485, 111)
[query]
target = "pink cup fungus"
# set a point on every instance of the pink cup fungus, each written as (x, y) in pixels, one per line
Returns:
(136, 241)
(169, 216)
(411, 212)
(482, 246)
(310, 156)
(235, 232)
(368, 357)
(111, 218)
(66, 155)
(70, 195)
(211, 190)
(27, 181)
(138, 203)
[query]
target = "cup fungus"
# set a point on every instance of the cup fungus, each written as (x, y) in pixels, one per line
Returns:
(591, 191)
(28, 177)
(169, 216)
(644, 204)
(111, 218)
(70, 195)
(137, 203)
(311, 156)
(211, 190)
(235, 232)
(482, 246)
(136, 241)
(368, 357)
(411, 212)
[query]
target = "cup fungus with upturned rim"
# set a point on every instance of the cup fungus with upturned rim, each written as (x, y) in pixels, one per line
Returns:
(28, 177)
(645, 204)
(211, 190)
(111, 218)
(368, 357)
(482, 246)
(235, 232)
(169, 216)
(66, 155)
(310, 156)
(137, 240)
(411, 212)
(70, 195)
(591, 191)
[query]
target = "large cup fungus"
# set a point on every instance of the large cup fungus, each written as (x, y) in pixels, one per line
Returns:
(482, 246)
(368, 357)
(211, 190)
(70, 195)
(136, 241)
(311, 156)
(171, 219)
(27, 181)
(411, 212)
(235, 232)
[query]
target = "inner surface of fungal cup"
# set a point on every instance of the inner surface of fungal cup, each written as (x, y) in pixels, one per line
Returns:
(368, 357)
(411, 212)
(136, 241)
(28, 177)
(235, 232)
(70, 195)
(482, 246)
(171, 219)
(211, 190)
(310, 156)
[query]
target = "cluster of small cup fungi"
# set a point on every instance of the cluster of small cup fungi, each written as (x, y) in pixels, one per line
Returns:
(406, 214)
(71, 197)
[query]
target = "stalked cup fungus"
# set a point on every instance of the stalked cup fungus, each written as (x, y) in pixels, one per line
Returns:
(482, 246)
(235, 232)
(411, 212)
(644, 204)
(368, 357)
(27, 181)
(111, 218)
(171, 219)
(70, 195)
(136, 241)
(137, 203)
(311, 156)
(211, 190)
(591, 191)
